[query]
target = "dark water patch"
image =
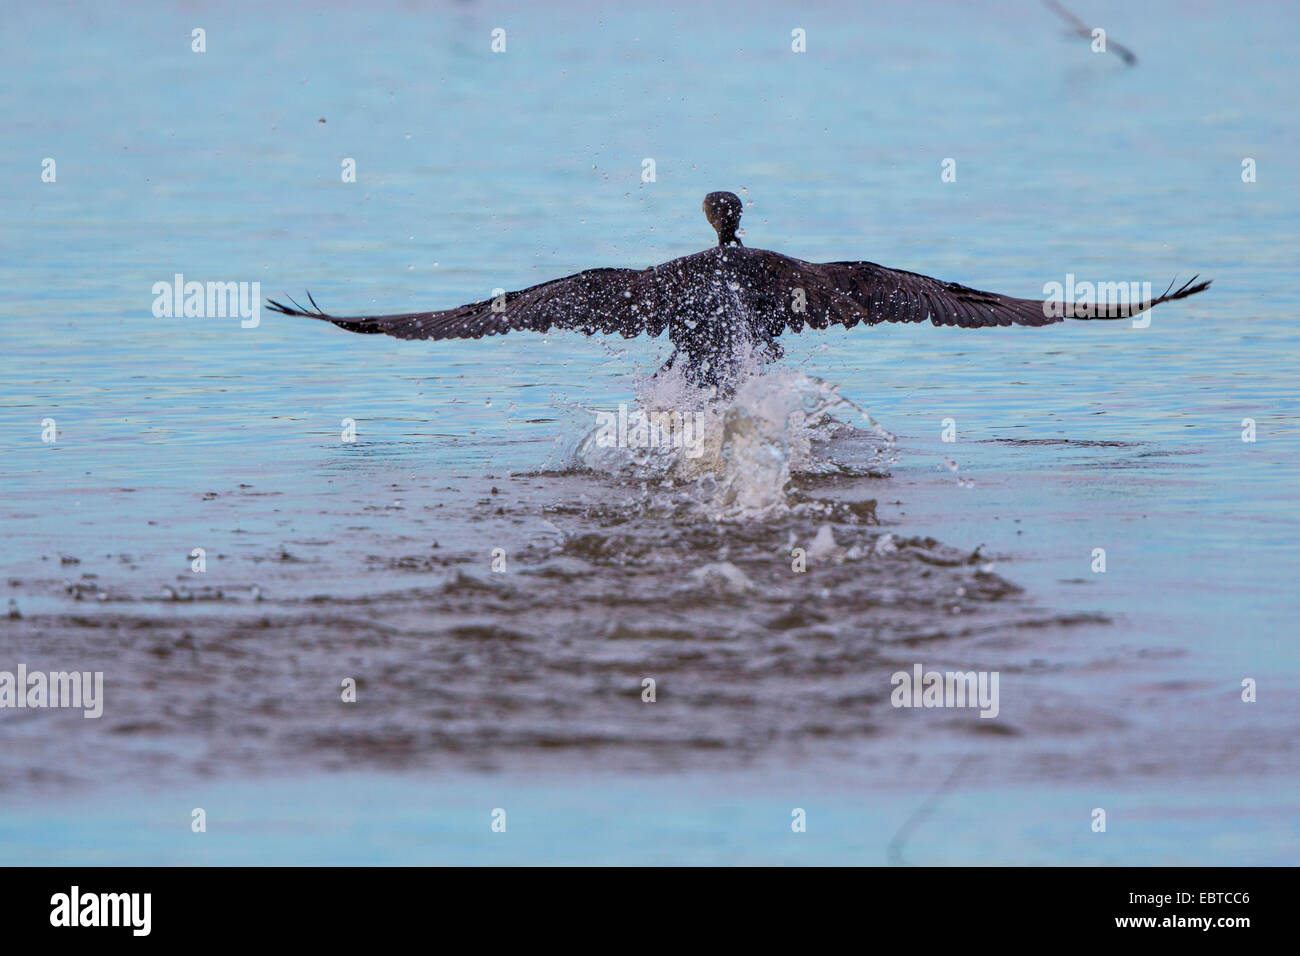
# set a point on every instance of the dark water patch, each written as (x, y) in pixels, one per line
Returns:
(763, 638)
(1068, 442)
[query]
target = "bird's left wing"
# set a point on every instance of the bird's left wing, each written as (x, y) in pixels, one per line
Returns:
(623, 301)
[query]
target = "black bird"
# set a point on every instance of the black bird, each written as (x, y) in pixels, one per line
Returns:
(1081, 29)
(729, 303)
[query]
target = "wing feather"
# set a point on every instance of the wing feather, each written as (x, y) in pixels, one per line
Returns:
(623, 301)
(847, 293)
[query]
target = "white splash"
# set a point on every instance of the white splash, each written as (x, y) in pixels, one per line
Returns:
(750, 443)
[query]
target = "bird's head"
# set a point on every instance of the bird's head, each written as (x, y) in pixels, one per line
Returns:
(723, 210)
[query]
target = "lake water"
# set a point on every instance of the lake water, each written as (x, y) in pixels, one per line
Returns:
(522, 689)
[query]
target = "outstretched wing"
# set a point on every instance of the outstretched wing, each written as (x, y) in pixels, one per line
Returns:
(847, 293)
(623, 301)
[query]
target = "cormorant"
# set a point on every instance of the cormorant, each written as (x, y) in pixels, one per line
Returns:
(724, 304)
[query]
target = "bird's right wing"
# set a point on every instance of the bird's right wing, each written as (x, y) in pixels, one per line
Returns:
(846, 293)
(623, 301)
